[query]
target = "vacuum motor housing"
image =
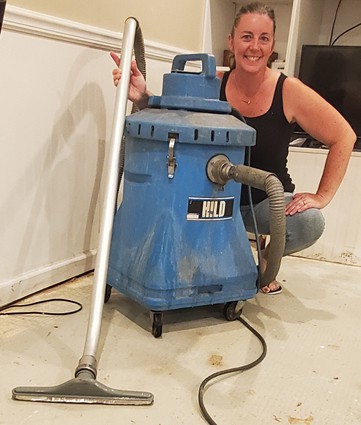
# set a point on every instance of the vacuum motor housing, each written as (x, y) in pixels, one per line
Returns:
(178, 239)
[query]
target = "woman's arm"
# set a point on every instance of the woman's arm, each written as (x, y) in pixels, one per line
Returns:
(138, 92)
(323, 122)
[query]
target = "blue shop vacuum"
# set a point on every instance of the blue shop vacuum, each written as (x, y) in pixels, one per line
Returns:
(178, 237)
(177, 240)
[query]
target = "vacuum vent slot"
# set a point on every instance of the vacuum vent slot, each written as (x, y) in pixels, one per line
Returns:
(209, 289)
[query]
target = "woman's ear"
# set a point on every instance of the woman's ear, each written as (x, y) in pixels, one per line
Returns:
(230, 43)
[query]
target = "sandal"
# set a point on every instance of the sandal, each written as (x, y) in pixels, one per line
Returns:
(268, 291)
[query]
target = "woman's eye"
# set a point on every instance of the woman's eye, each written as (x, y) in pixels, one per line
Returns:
(265, 39)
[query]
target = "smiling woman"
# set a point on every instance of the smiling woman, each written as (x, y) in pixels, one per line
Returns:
(272, 103)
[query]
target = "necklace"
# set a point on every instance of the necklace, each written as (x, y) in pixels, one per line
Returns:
(246, 101)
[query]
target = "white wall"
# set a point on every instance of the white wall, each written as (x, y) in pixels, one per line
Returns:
(341, 240)
(312, 21)
(283, 19)
(57, 100)
(173, 22)
(349, 14)
(220, 25)
(54, 124)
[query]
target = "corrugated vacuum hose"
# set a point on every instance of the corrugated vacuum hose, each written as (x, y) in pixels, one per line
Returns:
(84, 388)
(220, 170)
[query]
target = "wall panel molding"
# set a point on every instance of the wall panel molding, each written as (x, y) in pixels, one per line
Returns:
(36, 280)
(41, 25)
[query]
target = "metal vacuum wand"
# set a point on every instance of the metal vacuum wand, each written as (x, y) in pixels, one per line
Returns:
(84, 388)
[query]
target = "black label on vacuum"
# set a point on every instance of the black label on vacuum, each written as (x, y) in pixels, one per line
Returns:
(210, 208)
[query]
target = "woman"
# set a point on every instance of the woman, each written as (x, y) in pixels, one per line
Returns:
(272, 103)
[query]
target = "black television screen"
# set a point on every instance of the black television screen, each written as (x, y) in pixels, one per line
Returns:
(335, 73)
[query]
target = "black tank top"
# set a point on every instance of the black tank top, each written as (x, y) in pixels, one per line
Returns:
(272, 141)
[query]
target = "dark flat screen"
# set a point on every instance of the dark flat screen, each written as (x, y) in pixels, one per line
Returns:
(335, 73)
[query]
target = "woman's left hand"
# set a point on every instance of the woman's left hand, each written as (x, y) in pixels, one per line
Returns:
(304, 201)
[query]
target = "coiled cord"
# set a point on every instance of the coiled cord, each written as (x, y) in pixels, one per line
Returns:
(4, 310)
(202, 387)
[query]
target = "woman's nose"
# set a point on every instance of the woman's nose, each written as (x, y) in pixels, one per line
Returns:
(255, 43)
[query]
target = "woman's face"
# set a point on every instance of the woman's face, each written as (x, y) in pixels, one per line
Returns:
(253, 42)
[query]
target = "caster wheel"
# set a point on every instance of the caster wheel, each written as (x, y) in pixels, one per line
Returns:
(108, 291)
(157, 325)
(233, 310)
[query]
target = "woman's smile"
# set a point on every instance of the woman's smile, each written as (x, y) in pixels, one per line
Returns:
(252, 58)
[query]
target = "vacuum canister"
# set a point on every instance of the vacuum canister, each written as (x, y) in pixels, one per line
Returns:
(179, 239)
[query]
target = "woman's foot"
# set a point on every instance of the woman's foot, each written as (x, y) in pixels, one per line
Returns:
(273, 288)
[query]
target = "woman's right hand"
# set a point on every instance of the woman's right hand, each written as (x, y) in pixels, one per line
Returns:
(138, 92)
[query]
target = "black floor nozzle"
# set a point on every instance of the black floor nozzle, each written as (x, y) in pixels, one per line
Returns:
(82, 389)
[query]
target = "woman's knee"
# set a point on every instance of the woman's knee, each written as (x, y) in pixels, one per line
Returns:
(303, 230)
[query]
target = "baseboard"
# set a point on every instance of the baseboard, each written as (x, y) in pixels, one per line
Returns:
(33, 281)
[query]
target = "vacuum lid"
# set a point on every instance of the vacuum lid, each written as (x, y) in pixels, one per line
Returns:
(192, 91)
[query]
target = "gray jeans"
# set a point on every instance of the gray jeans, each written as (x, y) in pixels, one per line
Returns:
(302, 229)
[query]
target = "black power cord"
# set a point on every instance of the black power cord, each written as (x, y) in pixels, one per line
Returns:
(254, 220)
(248, 366)
(331, 43)
(343, 33)
(333, 23)
(4, 312)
